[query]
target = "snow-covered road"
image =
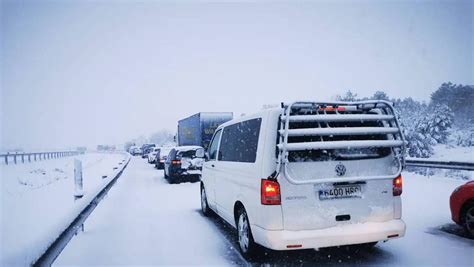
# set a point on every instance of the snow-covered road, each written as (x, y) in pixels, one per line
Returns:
(146, 221)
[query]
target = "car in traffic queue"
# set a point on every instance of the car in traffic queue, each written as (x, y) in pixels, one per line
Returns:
(152, 155)
(161, 157)
(461, 203)
(184, 163)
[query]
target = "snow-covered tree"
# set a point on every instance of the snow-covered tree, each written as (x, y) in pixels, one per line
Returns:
(459, 98)
(348, 96)
(438, 121)
(462, 137)
(161, 137)
(419, 144)
(380, 95)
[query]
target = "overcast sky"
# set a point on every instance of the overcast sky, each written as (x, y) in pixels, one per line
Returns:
(102, 72)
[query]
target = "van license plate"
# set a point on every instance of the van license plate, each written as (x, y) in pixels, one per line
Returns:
(341, 192)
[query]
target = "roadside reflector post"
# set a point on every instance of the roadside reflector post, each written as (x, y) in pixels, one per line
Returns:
(78, 185)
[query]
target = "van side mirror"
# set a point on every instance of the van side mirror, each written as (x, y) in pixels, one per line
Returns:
(200, 153)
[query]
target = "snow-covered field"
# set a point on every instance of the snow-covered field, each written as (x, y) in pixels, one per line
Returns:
(446, 153)
(37, 201)
(146, 221)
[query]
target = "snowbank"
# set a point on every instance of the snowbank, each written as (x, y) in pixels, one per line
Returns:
(447, 153)
(37, 202)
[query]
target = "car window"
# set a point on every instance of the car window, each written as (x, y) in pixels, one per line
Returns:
(213, 145)
(171, 155)
(187, 154)
(239, 142)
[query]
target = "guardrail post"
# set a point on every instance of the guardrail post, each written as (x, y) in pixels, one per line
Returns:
(14, 157)
(22, 158)
(78, 186)
(6, 158)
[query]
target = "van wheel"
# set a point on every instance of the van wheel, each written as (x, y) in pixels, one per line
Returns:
(204, 206)
(247, 245)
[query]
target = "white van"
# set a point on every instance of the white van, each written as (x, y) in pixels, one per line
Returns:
(308, 175)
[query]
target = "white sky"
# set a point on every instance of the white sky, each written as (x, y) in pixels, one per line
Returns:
(102, 72)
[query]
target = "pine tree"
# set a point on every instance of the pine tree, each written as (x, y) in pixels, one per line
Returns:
(438, 121)
(348, 96)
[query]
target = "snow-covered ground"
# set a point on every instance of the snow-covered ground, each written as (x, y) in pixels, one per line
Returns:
(146, 221)
(457, 153)
(37, 201)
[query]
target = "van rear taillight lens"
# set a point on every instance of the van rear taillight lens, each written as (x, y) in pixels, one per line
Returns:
(270, 192)
(176, 162)
(397, 186)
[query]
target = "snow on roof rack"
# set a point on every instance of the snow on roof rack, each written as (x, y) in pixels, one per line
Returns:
(340, 145)
(340, 131)
(329, 118)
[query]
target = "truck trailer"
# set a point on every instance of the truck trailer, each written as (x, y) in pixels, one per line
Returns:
(197, 130)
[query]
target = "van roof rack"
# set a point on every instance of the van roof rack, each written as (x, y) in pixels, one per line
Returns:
(331, 119)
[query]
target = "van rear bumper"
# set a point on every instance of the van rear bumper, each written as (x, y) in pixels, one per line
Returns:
(348, 234)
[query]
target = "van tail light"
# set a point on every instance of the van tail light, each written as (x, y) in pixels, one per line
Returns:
(270, 192)
(397, 186)
(176, 162)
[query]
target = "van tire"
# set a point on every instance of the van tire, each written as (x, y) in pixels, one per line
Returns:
(247, 246)
(206, 211)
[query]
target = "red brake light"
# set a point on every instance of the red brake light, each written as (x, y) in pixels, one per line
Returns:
(176, 162)
(397, 186)
(270, 192)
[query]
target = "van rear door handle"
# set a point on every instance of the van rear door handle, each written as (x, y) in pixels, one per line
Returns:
(212, 165)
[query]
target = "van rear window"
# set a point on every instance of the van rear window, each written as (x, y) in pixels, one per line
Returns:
(239, 142)
(187, 154)
(337, 154)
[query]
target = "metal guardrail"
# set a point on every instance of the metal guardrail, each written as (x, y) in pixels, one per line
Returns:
(56, 247)
(16, 157)
(452, 165)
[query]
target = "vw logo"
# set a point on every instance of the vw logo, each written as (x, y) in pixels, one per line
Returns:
(340, 169)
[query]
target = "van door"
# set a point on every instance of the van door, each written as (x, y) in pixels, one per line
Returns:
(237, 170)
(209, 170)
(340, 165)
(311, 205)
